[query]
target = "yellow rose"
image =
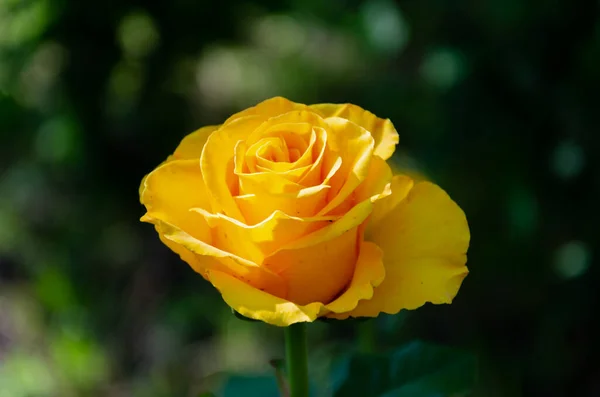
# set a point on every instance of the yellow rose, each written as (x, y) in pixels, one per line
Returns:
(292, 213)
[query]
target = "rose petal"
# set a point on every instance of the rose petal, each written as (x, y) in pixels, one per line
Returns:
(298, 121)
(198, 263)
(262, 193)
(304, 131)
(268, 108)
(300, 156)
(378, 177)
(368, 273)
(354, 145)
(260, 240)
(241, 268)
(353, 218)
(217, 164)
(313, 175)
(400, 186)
(261, 204)
(272, 151)
(260, 305)
(424, 238)
(293, 174)
(171, 190)
(317, 273)
(191, 146)
(268, 182)
(330, 245)
(383, 131)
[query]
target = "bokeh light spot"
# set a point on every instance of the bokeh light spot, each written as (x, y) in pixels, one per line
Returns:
(23, 374)
(54, 289)
(443, 67)
(57, 139)
(225, 75)
(568, 160)
(523, 210)
(572, 259)
(385, 26)
(22, 21)
(124, 86)
(280, 34)
(40, 74)
(138, 35)
(79, 358)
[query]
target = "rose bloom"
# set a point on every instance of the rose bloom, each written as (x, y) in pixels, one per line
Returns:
(292, 213)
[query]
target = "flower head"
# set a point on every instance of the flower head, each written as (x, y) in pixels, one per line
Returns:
(292, 213)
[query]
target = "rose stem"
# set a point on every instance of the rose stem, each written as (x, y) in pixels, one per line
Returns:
(296, 359)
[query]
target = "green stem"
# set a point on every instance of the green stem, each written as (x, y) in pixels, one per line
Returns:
(296, 359)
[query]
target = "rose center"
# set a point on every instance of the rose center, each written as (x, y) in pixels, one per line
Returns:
(285, 148)
(274, 149)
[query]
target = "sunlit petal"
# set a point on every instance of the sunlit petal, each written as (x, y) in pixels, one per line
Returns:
(385, 135)
(424, 238)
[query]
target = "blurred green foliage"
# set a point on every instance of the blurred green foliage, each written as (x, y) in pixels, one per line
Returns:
(413, 370)
(495, 100)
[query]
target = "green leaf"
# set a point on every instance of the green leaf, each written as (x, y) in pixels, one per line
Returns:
(422, 370)
(362, 375)
(415, 370)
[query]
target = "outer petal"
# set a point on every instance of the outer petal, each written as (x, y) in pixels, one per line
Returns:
(327, 255)
(191, 146)
(243, 269)
(217, 163)
(383, 131)
(268, 108)
(170, 191)
(369, 273)
(259, 305)
(424, 239)
(197, 262)
(317, 273)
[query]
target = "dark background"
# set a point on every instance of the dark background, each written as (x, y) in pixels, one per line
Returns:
(496, 101)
